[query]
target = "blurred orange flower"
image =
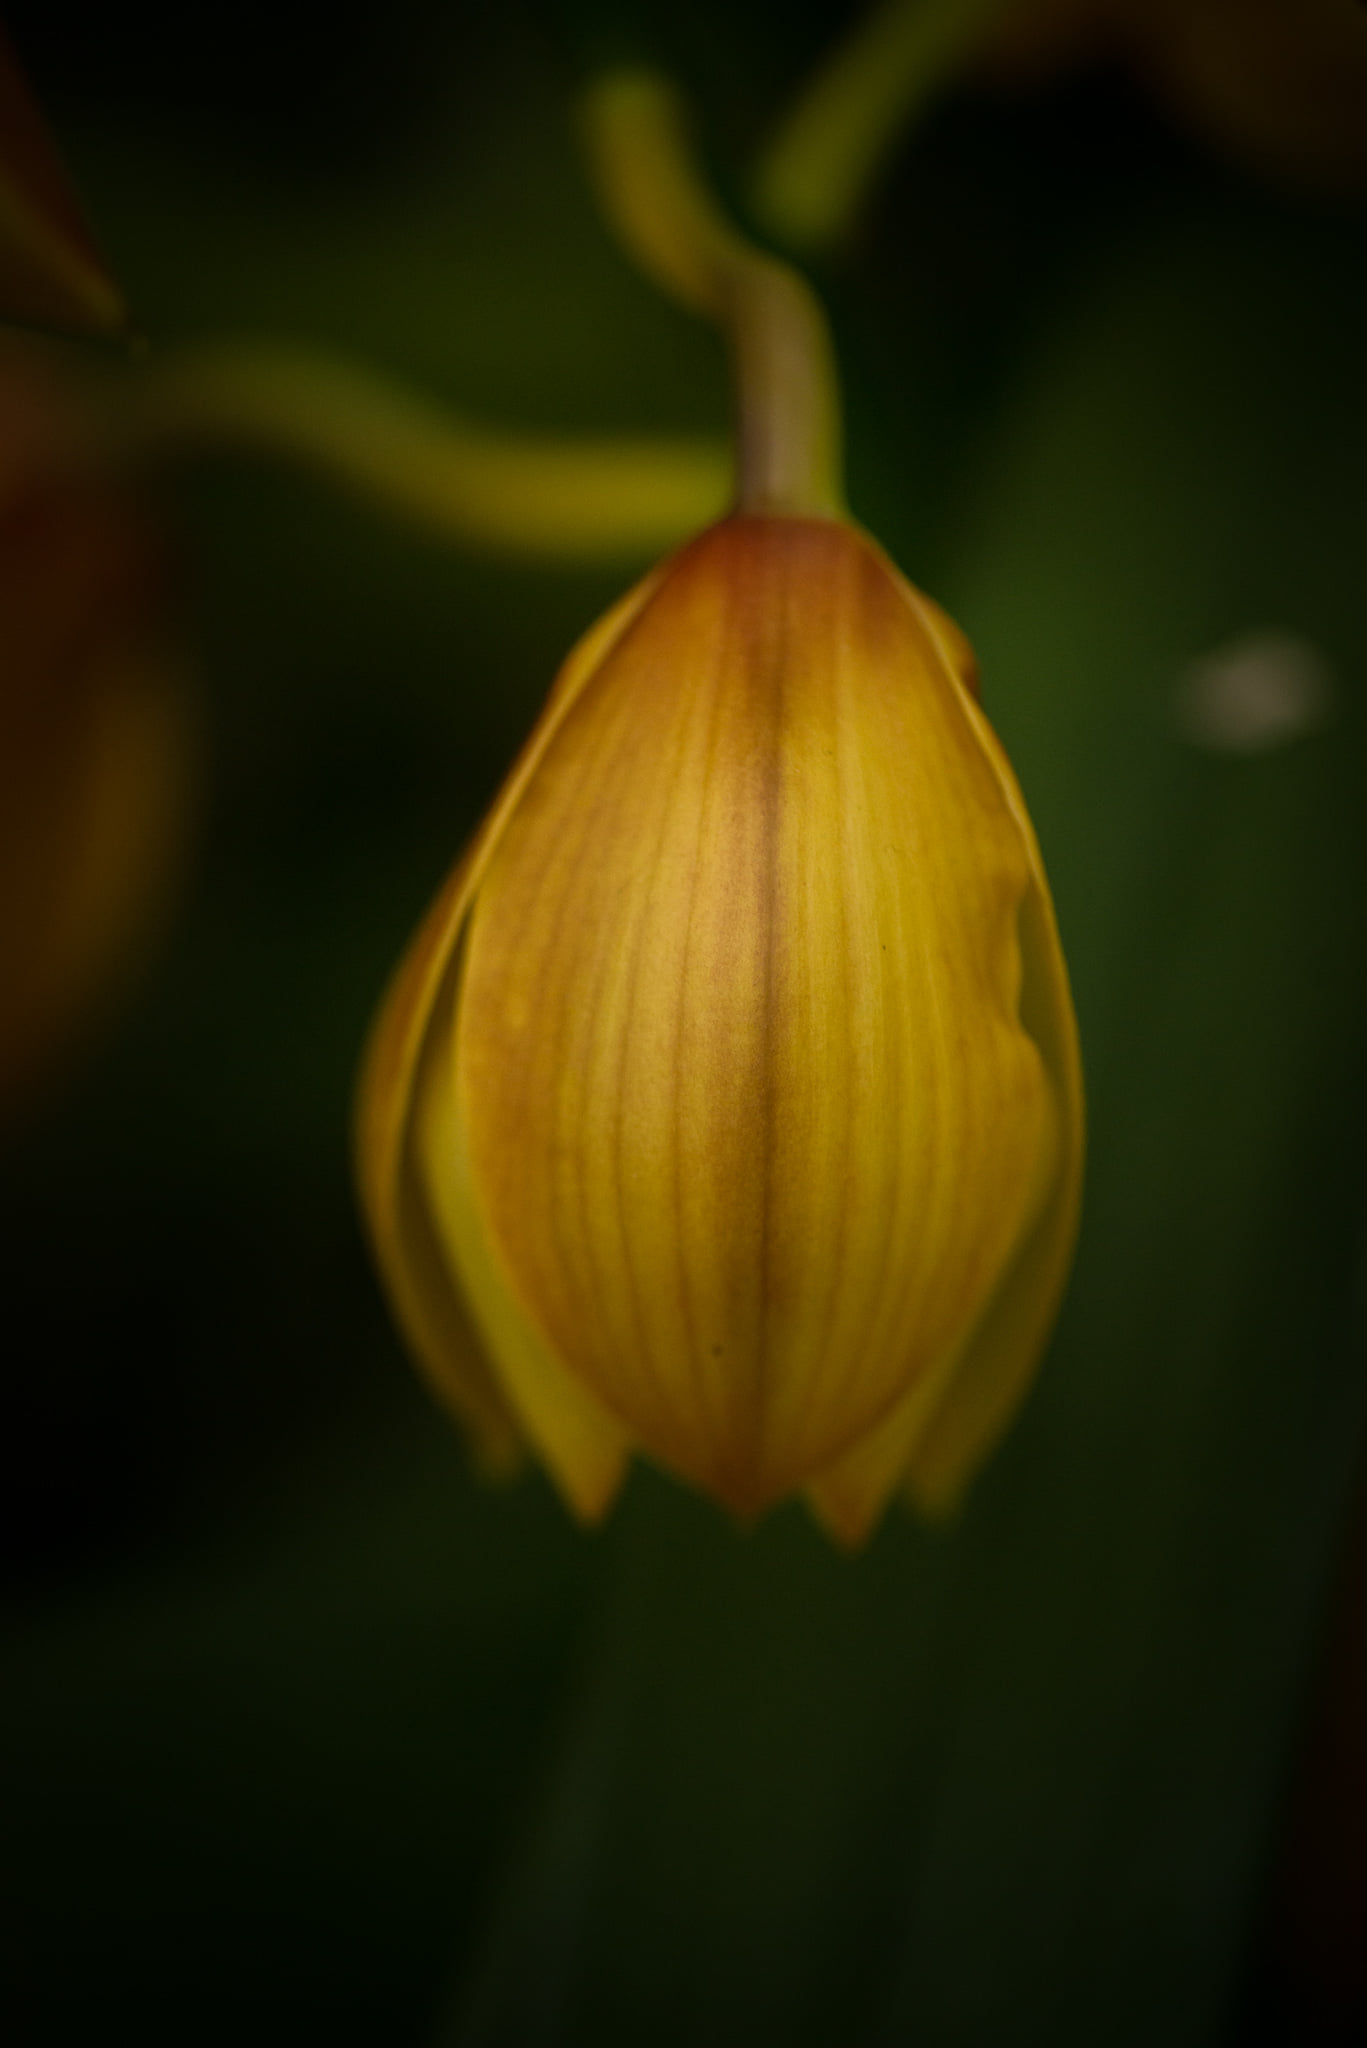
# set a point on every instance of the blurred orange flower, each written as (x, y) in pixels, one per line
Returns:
(1279, 85)
(96, 729)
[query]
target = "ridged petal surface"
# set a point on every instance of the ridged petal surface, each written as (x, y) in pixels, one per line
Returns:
(936, 1438)
(742, 1089)
(402, 1076)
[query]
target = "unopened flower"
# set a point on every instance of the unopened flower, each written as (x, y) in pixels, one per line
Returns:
(726, 1107)
(96, 733)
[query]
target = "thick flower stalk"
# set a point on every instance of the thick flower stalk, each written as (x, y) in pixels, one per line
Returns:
(726, 1107)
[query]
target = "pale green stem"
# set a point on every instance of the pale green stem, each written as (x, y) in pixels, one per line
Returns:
(546, 498)
(830, 151)
(787, 396)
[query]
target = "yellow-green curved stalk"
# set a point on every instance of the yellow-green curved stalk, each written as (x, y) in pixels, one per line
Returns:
(545, 497)
(821, 164)
(787, 396)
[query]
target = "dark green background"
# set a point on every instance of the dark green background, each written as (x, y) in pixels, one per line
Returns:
(306, 1736)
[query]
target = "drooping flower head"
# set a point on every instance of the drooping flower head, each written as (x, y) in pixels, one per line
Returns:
(726, 1107)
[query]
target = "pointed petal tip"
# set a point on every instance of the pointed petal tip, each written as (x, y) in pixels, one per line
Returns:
(848, 1523)
(51, 272)
(589, 1492)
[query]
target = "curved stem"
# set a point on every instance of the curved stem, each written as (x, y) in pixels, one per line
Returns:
(787, 397)
(521, 494)
(831, 149)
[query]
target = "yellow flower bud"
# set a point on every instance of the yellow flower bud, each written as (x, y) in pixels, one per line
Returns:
(727, 1105)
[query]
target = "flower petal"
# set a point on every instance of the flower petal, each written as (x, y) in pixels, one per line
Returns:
(949, 636)
(407, 1248)
(939, 1435)
(1001, 1355)
(424, 1290)
(584, 1448)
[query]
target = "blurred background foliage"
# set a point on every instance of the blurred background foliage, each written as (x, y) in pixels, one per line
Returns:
(304, 1733)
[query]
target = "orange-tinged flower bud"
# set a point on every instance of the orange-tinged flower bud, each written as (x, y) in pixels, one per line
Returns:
(727, 1105)
(97, 742)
